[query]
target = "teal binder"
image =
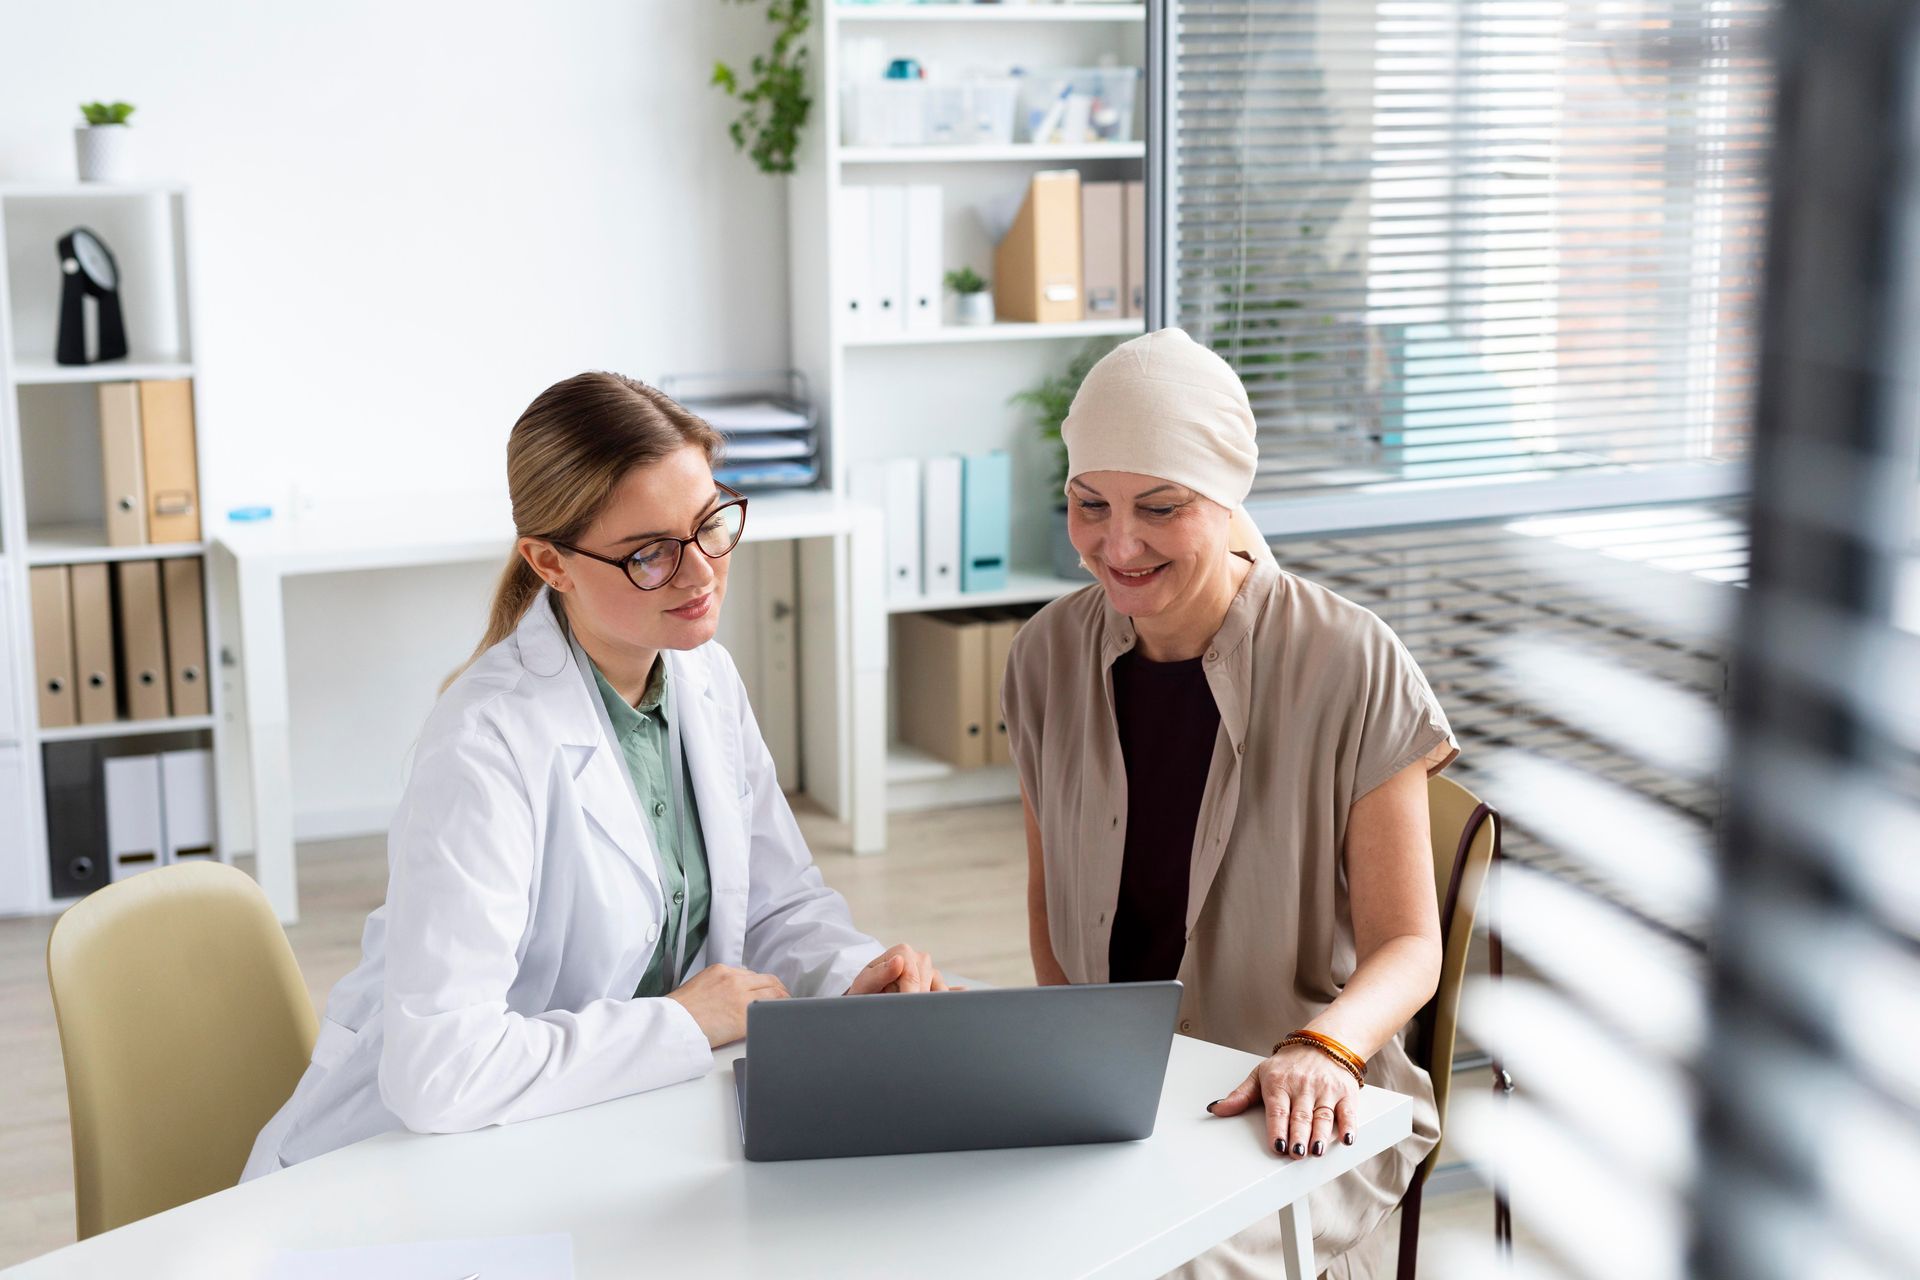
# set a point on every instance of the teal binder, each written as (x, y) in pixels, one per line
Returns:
(986, 520)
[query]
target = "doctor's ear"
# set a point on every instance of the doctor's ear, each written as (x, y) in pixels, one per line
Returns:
(547, 562)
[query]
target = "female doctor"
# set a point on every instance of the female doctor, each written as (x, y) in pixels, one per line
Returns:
(592, 871)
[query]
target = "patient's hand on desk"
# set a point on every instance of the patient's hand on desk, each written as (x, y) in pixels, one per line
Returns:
(898, 969)
(718, 997)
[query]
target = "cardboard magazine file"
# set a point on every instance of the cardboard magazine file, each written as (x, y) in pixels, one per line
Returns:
(1037, 267)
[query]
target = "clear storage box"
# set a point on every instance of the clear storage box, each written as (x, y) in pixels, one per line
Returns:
(1077, 105)
(920, 113)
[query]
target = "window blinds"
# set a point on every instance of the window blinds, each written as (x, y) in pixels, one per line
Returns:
(1817, 974)
(1492, 243)
(1582, 660)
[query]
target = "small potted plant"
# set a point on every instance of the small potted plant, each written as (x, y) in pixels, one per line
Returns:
(975, 304)
(1050, 399)
(102, 141)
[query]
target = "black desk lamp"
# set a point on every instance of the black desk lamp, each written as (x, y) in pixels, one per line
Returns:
(91, 274)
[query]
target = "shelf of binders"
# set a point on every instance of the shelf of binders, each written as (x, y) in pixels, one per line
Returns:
(124, 728)
(87, 544)
(992, 13)
(1014, 152)
(150, 368)
(1000, 331)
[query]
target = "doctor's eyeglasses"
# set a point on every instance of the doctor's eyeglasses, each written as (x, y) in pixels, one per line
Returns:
(653, 565)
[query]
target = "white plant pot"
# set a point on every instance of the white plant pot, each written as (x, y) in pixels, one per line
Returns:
(104, 152)
(974, 308)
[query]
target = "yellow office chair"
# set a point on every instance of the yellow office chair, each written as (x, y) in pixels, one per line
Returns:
(1466, 843)
(184, 1024)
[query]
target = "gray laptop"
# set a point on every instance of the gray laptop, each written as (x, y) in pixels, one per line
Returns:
(955, 1070)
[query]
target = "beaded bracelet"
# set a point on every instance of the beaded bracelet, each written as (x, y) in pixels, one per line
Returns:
(1355, 1065)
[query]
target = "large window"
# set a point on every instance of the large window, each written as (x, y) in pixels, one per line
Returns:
(1472, 242)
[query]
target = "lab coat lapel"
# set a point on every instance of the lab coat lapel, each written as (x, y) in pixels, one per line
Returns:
(601, 784)
(605, 792)
(711, 740)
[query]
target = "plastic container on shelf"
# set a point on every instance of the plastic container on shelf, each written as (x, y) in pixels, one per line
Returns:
(913, 113)
(1077, 105)
(883, 113)
(971, 112)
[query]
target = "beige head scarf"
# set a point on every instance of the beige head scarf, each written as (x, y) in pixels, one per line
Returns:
(1163, 405)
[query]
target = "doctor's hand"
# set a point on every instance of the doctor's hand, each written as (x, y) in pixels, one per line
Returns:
(898, 969)
(718, 997)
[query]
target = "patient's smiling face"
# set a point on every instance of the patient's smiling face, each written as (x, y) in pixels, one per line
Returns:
(1153, 545)
(668, 498)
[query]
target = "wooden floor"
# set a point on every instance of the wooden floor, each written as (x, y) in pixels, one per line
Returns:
(954, 886)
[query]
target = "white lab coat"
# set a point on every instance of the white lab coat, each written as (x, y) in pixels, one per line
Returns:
(523, 904)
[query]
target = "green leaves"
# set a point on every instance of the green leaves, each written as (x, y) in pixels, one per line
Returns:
(775, 105)
(106, 113)
(966, 280)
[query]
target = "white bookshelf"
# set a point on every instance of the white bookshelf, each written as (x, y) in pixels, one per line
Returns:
(1055, 153)
(1000, 331)
(998, 14)
(1023, 587)
(137, 367)
(51, 507)
(946, 390)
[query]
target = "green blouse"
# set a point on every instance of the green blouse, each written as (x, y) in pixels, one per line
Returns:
(643, 737)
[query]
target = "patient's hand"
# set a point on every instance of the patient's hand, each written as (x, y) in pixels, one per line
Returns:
(898, 969)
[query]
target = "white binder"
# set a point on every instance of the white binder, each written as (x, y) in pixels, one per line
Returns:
(889, 259)
(853, 261)
(893, 485)
(925, 256)
(903, 526)
(186, 799)
(134, 822)
(940, 527)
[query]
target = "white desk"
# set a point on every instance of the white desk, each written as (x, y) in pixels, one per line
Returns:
(843, 619)
(656, 1185)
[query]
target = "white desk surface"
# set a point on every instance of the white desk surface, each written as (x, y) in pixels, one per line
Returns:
(656, 1184)
(450, 529)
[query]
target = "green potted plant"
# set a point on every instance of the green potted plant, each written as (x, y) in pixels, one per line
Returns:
(101, 143)
(973, 304)
(1050, 399)
(775, 104)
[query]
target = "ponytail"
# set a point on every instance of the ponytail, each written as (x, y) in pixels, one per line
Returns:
(518, 588)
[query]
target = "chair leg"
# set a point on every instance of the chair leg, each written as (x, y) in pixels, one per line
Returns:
(1502, 1082)
(1410, 1228)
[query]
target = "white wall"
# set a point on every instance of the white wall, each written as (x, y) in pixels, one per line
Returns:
(409, 219)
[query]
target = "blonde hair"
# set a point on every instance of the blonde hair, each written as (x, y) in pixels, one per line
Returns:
(568, 452)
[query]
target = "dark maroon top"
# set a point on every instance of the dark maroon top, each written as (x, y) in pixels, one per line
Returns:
(1168, 722)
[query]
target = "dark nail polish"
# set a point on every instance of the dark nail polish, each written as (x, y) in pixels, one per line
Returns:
(1211, 1105)
(1280, 1148)
(1347, 1138)
(1319, 1148)
(1299, 1148)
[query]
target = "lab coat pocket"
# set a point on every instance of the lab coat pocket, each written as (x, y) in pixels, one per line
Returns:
(333, 1044)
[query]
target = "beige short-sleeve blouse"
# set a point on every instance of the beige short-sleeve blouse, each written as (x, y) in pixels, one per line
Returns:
(1319, 703)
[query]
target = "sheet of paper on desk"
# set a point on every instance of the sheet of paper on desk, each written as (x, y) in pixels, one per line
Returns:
(548, 1257)
(754, 415)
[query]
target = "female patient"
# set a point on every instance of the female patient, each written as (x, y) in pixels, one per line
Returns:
(1225, 769)
(593, 871)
